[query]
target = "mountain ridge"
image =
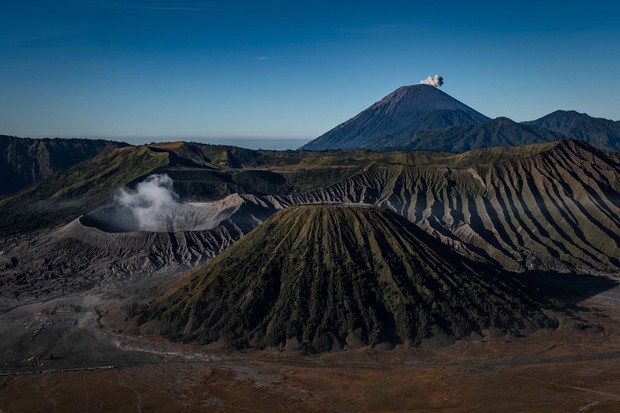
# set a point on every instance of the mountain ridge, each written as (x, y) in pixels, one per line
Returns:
(498, 132)
(25, 161)
(599, 132)
(556, 206)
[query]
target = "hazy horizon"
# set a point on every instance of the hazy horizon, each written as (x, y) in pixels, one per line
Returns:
(249, 143)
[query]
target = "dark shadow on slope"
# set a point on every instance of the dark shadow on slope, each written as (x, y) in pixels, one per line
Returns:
(111, 219)
(567, 288)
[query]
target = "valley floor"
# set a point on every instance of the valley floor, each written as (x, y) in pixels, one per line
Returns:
(77, 362)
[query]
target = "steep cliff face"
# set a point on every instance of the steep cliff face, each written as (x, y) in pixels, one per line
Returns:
(333, 277)
(26, 161)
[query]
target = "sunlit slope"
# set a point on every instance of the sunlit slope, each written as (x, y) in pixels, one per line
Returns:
(324, 277)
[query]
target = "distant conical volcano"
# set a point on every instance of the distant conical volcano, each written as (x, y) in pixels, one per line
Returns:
(333, 277)
(399, 115)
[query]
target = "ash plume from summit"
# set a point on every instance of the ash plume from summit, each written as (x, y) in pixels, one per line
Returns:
(398, 117)
(436, 81)
(153, 200)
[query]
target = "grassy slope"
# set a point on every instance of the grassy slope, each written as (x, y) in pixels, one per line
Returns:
(329, 275)
(66, 195)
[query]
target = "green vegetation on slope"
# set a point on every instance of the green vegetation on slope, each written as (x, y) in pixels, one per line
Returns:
(325, 277)
(66, 195)
(25, 161)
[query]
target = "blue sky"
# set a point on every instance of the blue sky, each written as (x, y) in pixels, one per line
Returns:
(187, 69)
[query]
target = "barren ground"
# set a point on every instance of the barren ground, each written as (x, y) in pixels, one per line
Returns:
(78, 362)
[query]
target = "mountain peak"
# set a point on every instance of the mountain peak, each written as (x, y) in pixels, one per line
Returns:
(400, 114)
(419, 97)
(338, 276)
(502, 120)
(567, 112)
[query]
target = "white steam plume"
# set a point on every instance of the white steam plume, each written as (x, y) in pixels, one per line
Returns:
(436, 81)
(153, 201)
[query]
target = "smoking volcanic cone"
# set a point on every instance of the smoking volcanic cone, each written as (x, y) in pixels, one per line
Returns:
(333, 277)
(398, 116)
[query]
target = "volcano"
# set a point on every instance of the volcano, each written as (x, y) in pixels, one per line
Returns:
(324, 277)
(399, 115)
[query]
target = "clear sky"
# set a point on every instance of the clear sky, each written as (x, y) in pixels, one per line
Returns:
(291, 69)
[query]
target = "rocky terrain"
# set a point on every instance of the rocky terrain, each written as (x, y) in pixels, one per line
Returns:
(542, 207)
(404, 266)
(93, 252)
(80, 359)
(552, 206)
